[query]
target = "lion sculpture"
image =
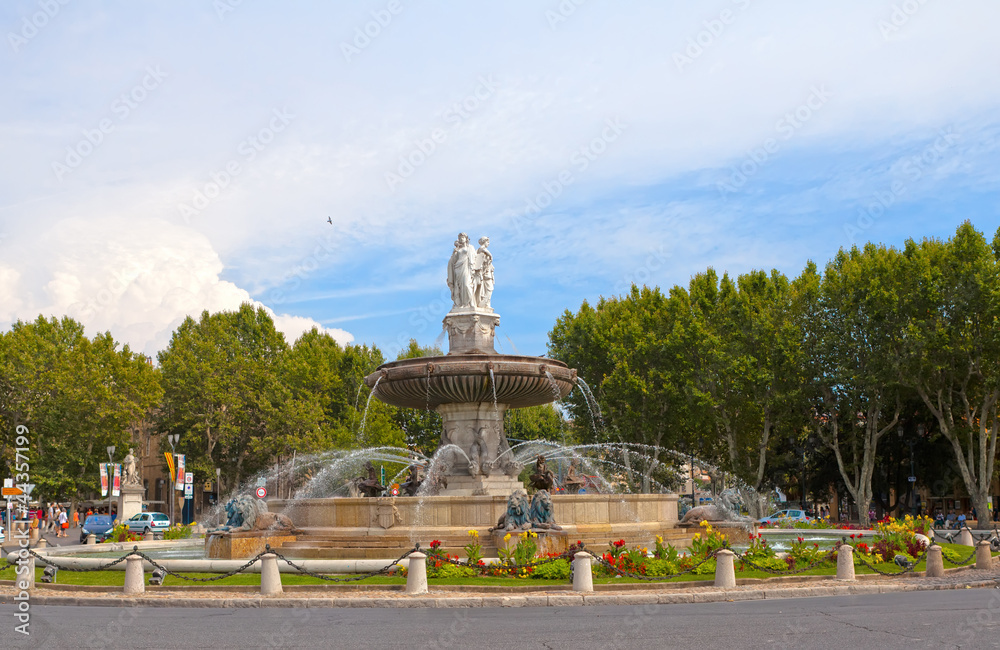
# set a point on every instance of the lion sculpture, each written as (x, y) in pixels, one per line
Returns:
(247, 513)
(724, 510)
(540, 512)
(517, 516)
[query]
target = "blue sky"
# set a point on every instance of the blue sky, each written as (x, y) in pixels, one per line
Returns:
(162, 158)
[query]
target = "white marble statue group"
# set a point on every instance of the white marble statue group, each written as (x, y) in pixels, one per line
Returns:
(470, 274)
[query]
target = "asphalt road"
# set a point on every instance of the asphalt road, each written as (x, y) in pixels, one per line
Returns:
(967, 618)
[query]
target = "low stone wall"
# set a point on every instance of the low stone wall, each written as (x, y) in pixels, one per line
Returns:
(229, 546)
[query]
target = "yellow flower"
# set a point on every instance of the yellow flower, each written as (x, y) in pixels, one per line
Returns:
(533, 534)
(473, 533)
(659, 540)
(506, 537)
(704, 522)
(697, 536)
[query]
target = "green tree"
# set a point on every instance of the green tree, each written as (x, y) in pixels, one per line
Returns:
(421, 427)
(953, 349)
(76, 396)
(855, 330)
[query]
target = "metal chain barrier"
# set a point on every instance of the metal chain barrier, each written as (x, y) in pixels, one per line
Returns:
(167, 571)
(384, 570)
(891, 574)
(963, 562)
(103, 567)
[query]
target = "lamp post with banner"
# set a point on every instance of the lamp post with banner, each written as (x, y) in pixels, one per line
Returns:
(111, 475)
(173, 439)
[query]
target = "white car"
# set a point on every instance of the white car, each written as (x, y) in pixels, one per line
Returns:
(148, 521)
(785, 516)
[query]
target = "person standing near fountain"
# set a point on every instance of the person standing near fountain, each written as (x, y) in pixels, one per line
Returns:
(461, 273)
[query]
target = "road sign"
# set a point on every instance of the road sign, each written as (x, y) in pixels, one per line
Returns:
(189, 478)
(261, 492)
(261, 481)
(912, 479)
(11, 491)
(188, 491)
(395, 490)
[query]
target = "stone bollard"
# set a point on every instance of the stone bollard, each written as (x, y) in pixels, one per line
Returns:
(583, 578)
(983, 558)
(34, 535)
(965, 537)
(935, 562)
(91, 539)
(135, 581)
(148, 536)
(42, 543)
(725, 572)
(26, 580)
(845, 562)
(416, 574)
(270, 577)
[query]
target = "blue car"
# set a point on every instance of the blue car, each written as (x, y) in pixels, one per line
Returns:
(96, 525)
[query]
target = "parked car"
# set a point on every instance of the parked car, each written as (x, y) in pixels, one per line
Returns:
(785, 516)
(96, 525)
(3, 536)
(148, 521)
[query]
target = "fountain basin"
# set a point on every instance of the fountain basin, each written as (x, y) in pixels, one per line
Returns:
(382, 527)
(430, 382)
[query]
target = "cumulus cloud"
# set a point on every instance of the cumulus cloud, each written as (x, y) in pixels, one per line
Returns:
(137, 279)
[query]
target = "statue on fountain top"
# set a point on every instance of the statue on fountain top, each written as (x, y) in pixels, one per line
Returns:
(470, 274)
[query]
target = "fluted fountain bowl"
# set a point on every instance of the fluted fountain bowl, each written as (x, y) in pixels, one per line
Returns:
(429, 382)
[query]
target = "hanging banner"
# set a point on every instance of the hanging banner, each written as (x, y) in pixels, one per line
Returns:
(116, 487)
(104, 479)
(179, 484)
(170, 462)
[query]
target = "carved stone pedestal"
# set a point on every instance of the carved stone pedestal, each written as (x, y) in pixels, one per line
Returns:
(485, 464)
(471, 331)
(130, 501)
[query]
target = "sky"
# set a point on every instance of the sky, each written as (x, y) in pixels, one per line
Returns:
(165, 158)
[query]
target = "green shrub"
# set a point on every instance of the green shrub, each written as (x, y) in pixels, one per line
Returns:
(177, 532)
(557, 570)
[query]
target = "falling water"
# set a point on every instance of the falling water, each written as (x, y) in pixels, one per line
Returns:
(493, 383)
(556, 391)
(364, 418)
(588, 397)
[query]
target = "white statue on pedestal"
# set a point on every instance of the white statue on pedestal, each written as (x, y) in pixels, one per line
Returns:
(484, 274)
(461, 272)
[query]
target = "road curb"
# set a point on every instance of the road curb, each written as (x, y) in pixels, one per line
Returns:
(540, 600)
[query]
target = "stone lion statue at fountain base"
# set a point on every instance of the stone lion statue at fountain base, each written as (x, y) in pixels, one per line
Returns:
(247, 513)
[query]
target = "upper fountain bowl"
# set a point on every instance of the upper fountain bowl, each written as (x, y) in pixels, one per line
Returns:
(429, 382)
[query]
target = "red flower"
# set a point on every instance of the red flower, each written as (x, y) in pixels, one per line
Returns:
(435, 544)
(620, 543)
(801, 540)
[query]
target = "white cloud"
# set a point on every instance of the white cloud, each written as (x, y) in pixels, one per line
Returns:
(136, 278)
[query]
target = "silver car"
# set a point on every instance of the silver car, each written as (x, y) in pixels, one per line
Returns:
(789, 516)
(148, 521)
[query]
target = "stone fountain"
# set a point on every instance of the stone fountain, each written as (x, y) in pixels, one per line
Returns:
(475, 471)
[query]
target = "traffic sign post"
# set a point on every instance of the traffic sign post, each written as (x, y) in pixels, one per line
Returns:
(261, 492)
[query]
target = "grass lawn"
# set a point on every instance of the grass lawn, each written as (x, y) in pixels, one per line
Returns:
(117, 578)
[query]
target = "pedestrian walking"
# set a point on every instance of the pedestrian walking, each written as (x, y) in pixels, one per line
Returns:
(63, 524)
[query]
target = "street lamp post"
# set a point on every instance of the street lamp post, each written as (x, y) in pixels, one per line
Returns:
(111, 475)
(218, 485)
(173, 439)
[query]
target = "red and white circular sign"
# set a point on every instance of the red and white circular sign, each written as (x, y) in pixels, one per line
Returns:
(261, 492)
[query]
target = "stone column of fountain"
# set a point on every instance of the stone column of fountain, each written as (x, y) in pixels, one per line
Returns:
(473, 386)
